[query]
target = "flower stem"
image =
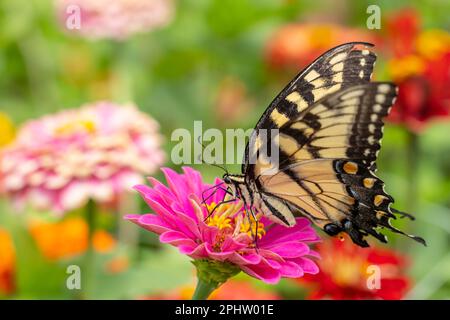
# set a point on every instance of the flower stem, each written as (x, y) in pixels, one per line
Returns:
(127, 233)
(203, 289)
(89, 257)
(211, 275)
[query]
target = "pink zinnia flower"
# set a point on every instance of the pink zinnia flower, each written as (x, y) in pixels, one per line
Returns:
(96, 152)
(115, 19)
(228, 234)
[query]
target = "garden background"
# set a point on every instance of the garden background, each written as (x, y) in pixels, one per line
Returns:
(221, 62)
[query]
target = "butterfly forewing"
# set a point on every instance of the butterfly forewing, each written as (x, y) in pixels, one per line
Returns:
(339, 68)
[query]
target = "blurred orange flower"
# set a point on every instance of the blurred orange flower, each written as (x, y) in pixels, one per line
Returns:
(7, 263)
(345, 271)
(420, 65)
(230, 290)
(68, 238)
(118, 264)
(296, 45)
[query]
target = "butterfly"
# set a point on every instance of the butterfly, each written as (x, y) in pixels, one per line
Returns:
(328, 124)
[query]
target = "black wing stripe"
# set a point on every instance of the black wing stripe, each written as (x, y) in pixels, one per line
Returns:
(324, 77)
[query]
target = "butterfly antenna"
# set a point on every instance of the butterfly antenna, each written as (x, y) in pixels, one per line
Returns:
(216, 186)
(224, 168)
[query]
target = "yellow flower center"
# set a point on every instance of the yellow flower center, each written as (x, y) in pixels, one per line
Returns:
(230, 220)
(405, 67)
(221, 215)
(345, 268)
(253, 226)
(433, 43)
(349, 271)
(79, 125)
(321, 36)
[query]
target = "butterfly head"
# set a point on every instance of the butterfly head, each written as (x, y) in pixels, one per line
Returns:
(236, 183)
(226, 178)
(233, 179)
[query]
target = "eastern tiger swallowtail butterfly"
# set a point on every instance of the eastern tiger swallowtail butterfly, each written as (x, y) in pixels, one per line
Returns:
(329, 123)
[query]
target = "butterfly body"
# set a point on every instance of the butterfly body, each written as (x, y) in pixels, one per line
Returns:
(320, 160)
(248, 192)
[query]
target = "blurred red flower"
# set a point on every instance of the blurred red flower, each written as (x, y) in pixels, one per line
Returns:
(347, 271)
(296, 45)
(420, 65)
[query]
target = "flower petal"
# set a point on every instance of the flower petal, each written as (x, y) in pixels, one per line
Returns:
(291, 249)
(290, 269)
(230, 244)
(307, 265)
(245, 259)
(190, 224)
(176, 238)
(301, 231)
(263, 271)
(150, 222)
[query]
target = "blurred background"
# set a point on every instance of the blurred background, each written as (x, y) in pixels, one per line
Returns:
(168, 63)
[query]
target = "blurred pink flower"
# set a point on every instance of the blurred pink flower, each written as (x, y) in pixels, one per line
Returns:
(226, 236)
(59, 161)
(116, 19)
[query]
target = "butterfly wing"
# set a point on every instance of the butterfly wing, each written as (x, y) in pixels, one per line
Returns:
(339, 68)
(326, 165)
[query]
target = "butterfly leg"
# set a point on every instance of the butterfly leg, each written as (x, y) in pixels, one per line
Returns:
(250, 213)
(256, 229)
(227, 191)
(212, 193)
(217, 206)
